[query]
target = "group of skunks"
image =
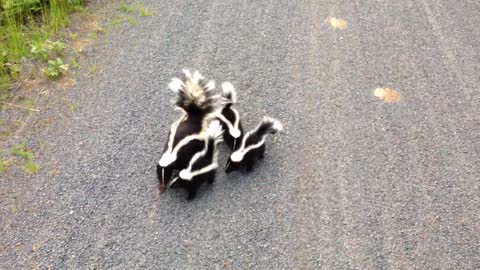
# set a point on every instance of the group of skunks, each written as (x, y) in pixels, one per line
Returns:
(190, 154)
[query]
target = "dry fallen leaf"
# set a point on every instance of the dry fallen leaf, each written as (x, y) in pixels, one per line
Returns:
(336, 23)
(66, 82)
(36, 246)
(386, 94)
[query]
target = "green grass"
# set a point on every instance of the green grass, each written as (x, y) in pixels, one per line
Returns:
(92, 69)
(72, 106)
(3, 165)
(126, 8)
(131, 20)
(31, 167)
(25, 28)
(27, 156)
(143, 11)
(55, 68)
(20, 151)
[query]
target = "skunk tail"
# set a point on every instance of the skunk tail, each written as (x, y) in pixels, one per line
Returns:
(195, 95)
(214, 132)
(268, 125)
(229, 94)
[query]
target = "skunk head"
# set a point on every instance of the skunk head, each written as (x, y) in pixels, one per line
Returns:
(164, 174)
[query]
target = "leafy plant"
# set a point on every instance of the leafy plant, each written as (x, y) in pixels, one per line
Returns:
(13, 69)
(55, 68)
(39, 50)
(56, 46)
(24, 27)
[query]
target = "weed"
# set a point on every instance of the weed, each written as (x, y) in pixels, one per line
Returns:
(126, 8)
(41, 144)
(74, 64)
(28, 103)
(131, 20)
(24, 26)
(56, 46)
(73, 36)
(116, 21)
(143, 11)
(21, 151)
(92, 69)
(28, 160)
(13, 209)
(42, 49)
(31, 167)
(55, 68)
(73, 106)
(5, 82)
(3, 165)
(38, 50)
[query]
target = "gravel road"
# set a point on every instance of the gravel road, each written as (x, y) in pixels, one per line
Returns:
(354, 182)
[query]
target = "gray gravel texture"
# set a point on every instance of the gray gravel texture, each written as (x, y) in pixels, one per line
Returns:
(352, 183)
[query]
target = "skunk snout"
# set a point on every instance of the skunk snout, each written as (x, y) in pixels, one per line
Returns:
(164, 174)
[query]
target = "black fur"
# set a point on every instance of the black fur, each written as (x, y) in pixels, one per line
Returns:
(228, 113)
(254, 137)
(232, 142)
(196, 100)
(192, 185)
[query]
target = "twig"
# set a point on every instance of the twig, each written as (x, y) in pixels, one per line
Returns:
(22, 107)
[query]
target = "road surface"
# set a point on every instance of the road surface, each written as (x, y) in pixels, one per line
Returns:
(354, 182)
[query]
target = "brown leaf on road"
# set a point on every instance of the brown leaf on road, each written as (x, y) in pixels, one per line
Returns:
(336, 23)
(387, 95)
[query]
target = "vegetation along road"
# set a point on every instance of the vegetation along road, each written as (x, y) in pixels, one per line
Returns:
(378, 166)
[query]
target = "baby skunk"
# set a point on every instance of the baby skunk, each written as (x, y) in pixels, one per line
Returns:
(186, 137)
(230, 118)
(202, 167)
(253, 145)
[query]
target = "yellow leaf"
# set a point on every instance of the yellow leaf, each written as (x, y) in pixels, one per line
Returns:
(387, 95)
(336, 23)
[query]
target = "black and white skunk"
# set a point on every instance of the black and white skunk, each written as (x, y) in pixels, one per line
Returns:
(252, 145)
(230, 118)
(203, 165)
(186, 137)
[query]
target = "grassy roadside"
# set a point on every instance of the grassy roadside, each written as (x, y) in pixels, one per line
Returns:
(28, 30)
(55, 55)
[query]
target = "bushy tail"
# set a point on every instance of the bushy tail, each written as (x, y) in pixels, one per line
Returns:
(268, 125)
(195, 94)
(215, 131)
(229, 94)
